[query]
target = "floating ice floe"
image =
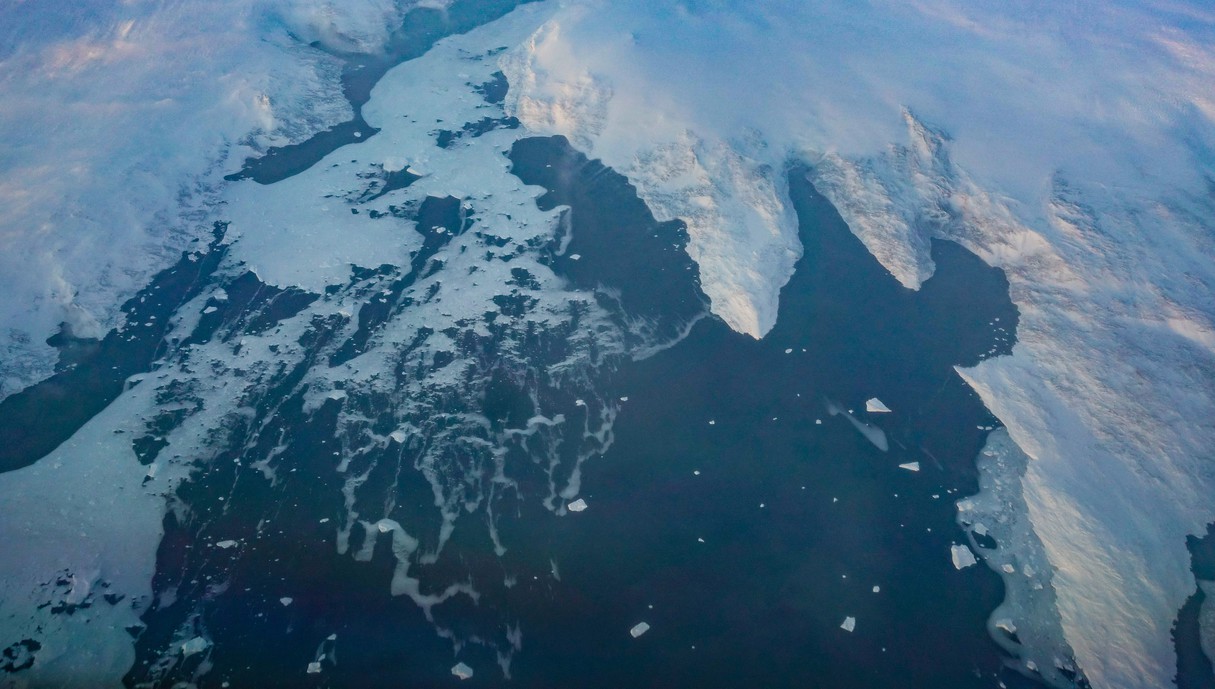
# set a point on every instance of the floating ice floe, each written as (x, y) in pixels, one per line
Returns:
(910, 466)
(577, 505)
(877, 589)
(195, 645)
(225, 544)
(398, 436)
(639, 629)
(962, 556)
(462, 671)
(875, 406)
(314, 668)
(849, 624)
(286, 600)
(575, 257)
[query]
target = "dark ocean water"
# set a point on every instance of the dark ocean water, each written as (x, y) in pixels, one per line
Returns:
(744, 572)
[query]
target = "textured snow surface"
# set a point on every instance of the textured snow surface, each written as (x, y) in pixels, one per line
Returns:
(1070, 147)
(119, 122)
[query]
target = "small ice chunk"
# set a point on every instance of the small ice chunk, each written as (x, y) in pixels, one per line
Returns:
(314, 668)
(384, 526)
(624, 399)
(980, 528)
(579, 403)
(696, 472)
(1008, 569)
(575, 257)
(462, 671)
(577, 505)
(195, 645)
(712, 422)
(818, 422)
(398, 436)
(1007, 625)
(225, 544)
(788, 351)
(849, 624)
(875, 406)
(210, 309)
(962, 556)
(325, 520)
(286, 600)
(910, 466)
(639, 629)
(877, 589)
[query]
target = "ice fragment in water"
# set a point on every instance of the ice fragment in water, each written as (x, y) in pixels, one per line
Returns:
(639, 629)
(849, 624)
(875, 406)
(962, 557)
(462, 671)
(195, 645)
(225, 544)
(877, 589)
(910, 466)
(314, 668)
(575, 257)
(286, 600)
(577, 505)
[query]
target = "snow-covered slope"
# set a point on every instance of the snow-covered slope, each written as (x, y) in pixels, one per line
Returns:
(1072, 148)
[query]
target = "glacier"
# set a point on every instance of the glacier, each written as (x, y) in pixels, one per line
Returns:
(1073, 149)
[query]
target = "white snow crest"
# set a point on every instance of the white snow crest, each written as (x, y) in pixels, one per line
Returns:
(729, 190)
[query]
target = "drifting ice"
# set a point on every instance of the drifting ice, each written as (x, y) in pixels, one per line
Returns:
(314, 668)
(962, 557)
(225, 544)
(876, 406)
(910, 466)
(849, 624)
(195, 645)
(639, 629)
(577, 505)
(462, 671)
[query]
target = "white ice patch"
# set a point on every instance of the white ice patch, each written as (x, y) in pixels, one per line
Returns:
(577, 505)
(961, 556)
(639, 629)
(910, 466)
(849, 624)
(462, 671)
(875, 406)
